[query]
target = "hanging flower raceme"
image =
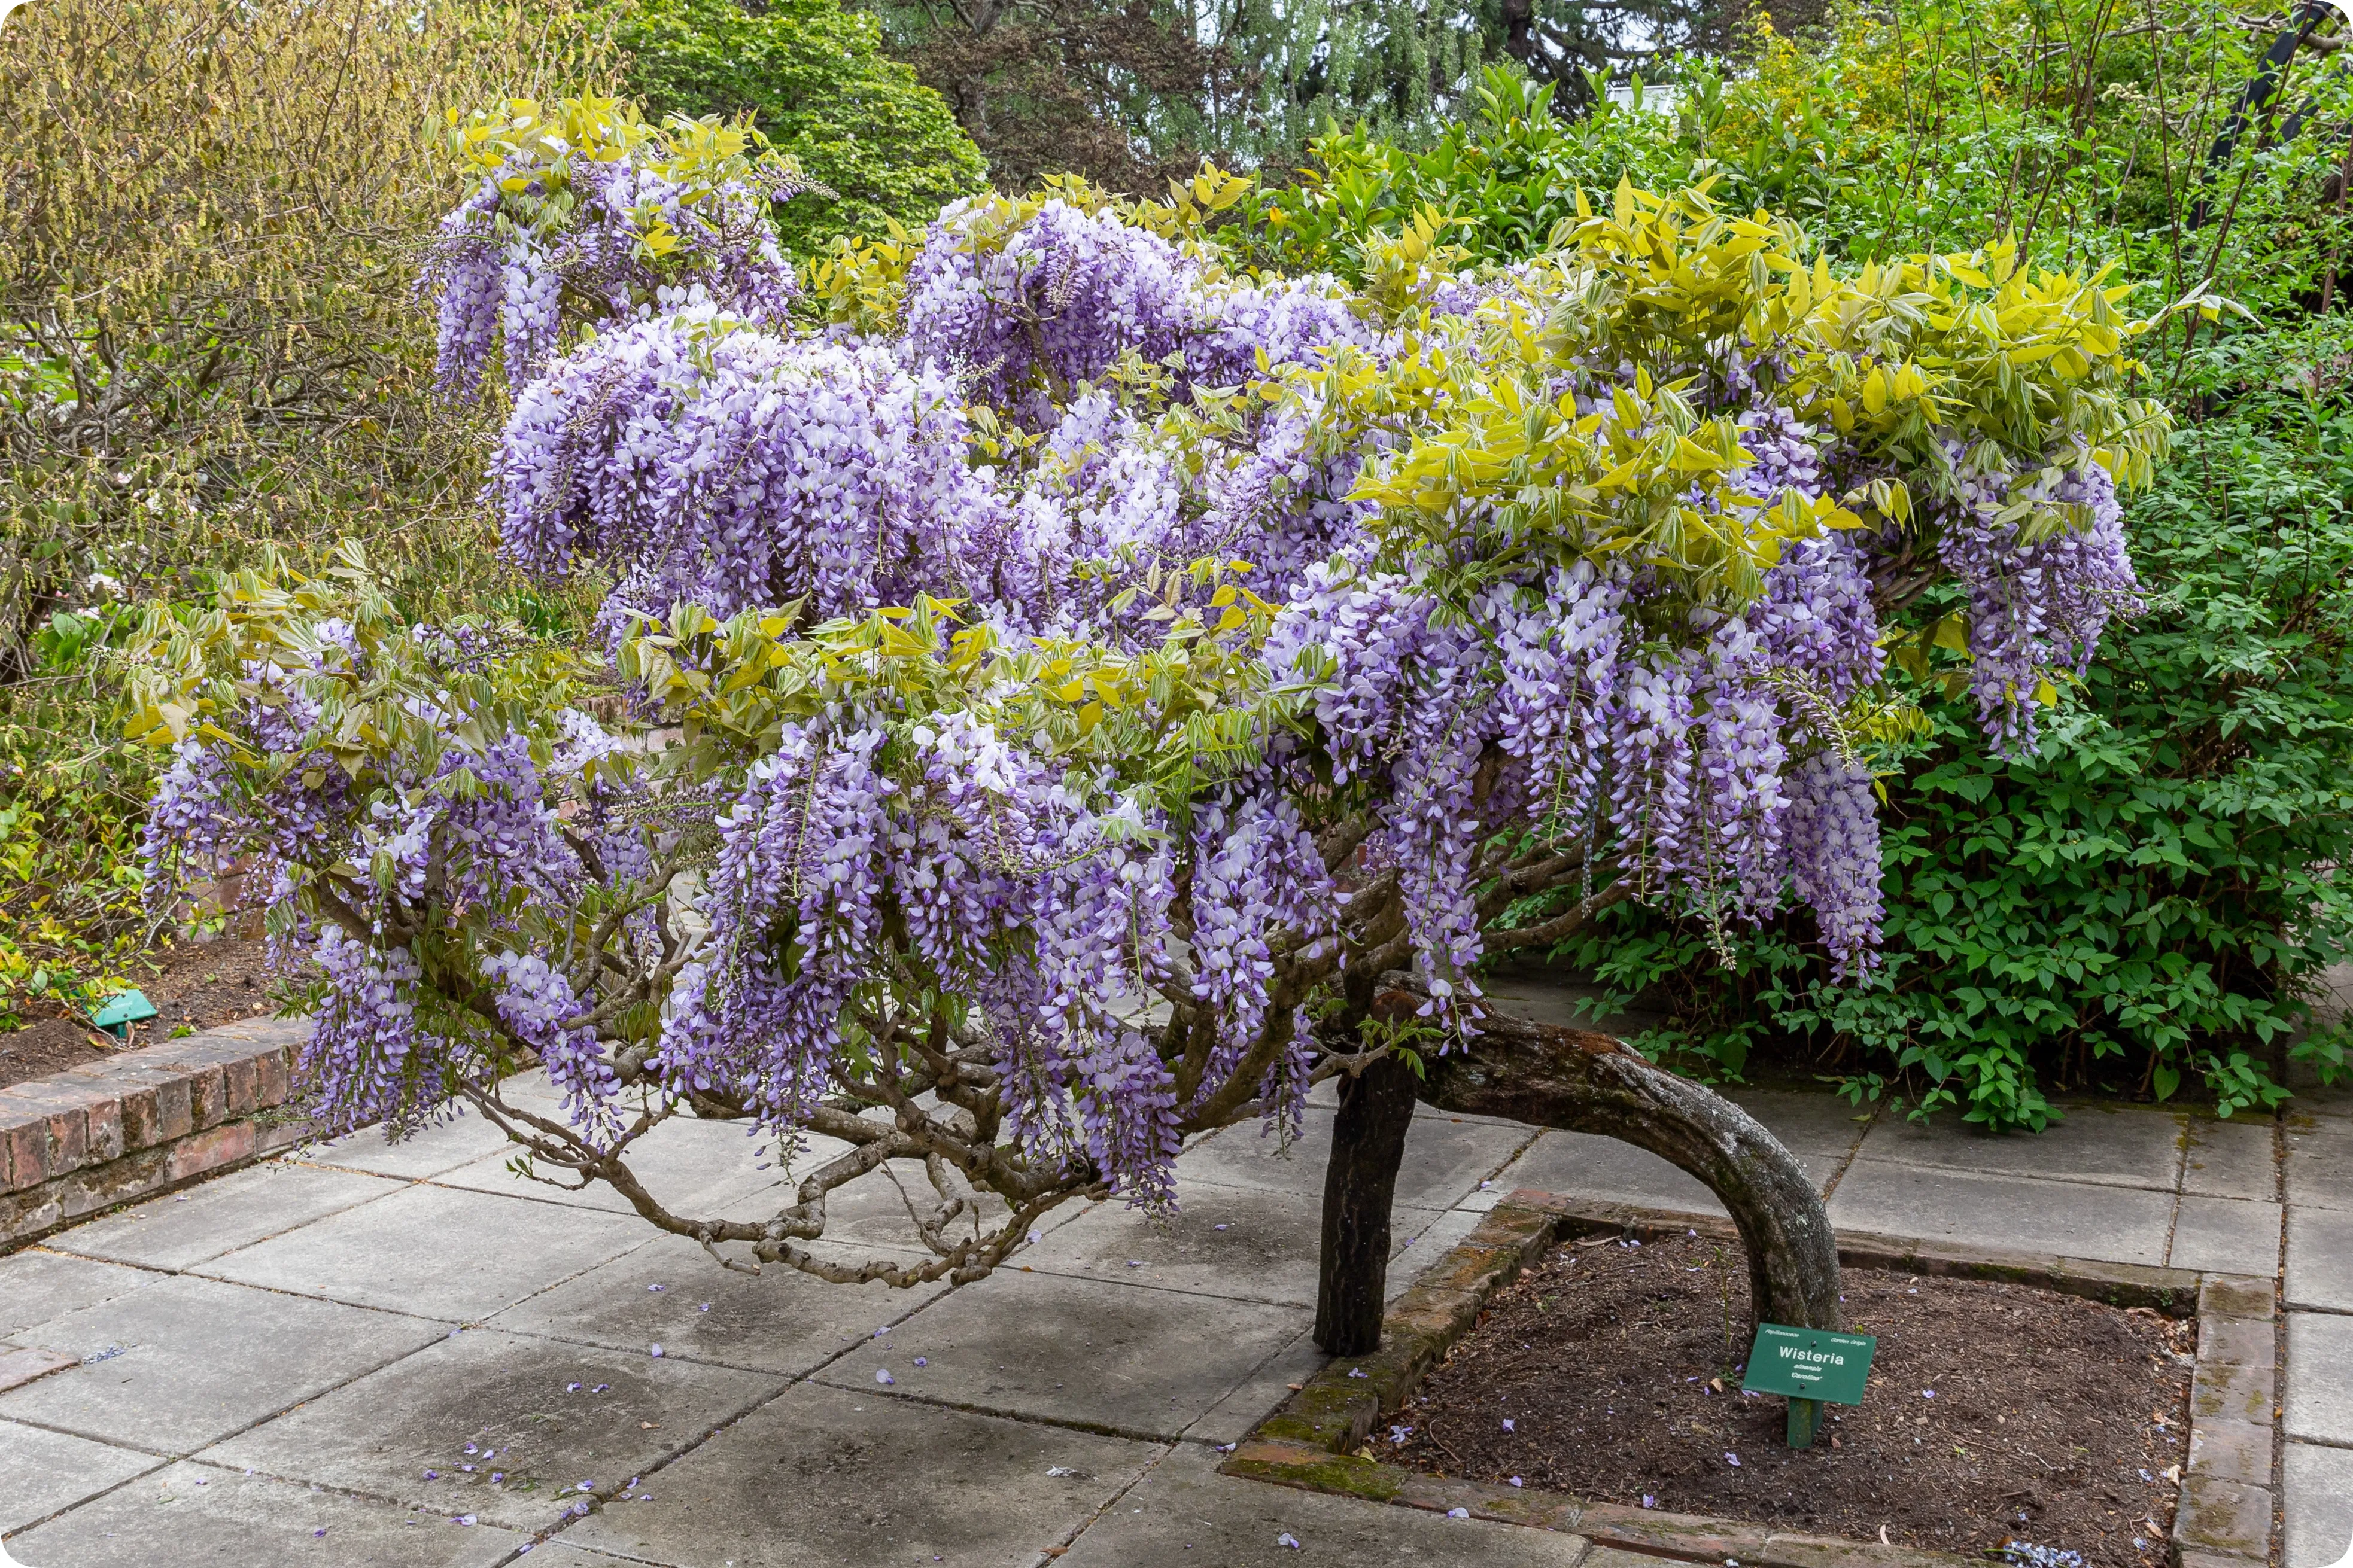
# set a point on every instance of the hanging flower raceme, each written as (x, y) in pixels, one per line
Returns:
(584, 197)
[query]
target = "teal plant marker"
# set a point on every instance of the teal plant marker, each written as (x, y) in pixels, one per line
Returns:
(120, 1011)
(1811, 1367)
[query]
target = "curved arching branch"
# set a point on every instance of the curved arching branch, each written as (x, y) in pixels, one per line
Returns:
(1547, 1076)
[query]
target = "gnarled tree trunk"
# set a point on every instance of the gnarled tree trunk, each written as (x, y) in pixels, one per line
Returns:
(1547, 1076)
(1359, 1185)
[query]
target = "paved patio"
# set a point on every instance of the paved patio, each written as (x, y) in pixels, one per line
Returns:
(362, 1353)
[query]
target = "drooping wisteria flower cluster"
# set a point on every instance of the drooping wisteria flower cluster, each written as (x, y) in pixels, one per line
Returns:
(2040, 596)
(1069, 693)
(624, 216)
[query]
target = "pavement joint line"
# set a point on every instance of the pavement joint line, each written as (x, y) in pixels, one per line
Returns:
(2341, 1444)
(1030, 1417)
(2111, 1182)
(165, 1456)
(455, 1322)
(2181, 1138)
(160, 1466)
(1092, 1519)
(693, 1358)
(1059, 1273)
(2277, 1540)
(1853, 1152)
(1264, 1362)
(359, 1494)
(400, 1184)
(239, 1284)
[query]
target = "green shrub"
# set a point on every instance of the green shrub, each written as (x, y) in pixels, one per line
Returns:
(814, 75)
(210, 346)
(2144, 903)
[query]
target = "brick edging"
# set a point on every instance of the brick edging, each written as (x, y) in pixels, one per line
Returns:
(136, 1122)
(2222, 1520)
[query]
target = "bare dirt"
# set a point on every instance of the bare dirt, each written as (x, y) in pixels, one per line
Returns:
(195, 986)
(1612, 1372)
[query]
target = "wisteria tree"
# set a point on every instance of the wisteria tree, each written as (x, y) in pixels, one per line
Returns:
(1057, 695)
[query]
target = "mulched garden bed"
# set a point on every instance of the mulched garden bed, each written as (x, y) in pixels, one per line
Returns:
(1610, 1371)
(195, 986)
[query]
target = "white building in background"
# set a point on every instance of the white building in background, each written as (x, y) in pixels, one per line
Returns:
(1658, 98)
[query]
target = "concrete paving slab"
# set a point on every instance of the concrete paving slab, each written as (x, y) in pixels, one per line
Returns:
(1255, 1397)
(198, 1516)
(2319, 1403)
(426, 1154)
(2119, 1225)
(193, 1359)
(693, 1168)
(1444, 1158)
(2313, 1098)
(2319, 1260)
(2234, 1159)
(2110, 1145)
(1116, 1356)
(2227, 1235)
(44, 1472)
(1246, 1243)
(2317, 1501)
(36, 1285)
(383, 1433)
(1583, 1165)
(781, 1320)
(1549, 996)
(1185, 1515)
(1807, 1122)
(437, 1251)
(2318, 1160)
(185, 1229)
(1423, 1239)
(823, 1477)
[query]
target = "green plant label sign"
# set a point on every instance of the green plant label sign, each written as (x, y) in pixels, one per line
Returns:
(1809, 1363)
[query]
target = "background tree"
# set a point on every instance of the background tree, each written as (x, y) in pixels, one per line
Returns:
(813, 74)
(1129, 95)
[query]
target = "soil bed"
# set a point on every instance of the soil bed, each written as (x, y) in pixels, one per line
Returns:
(193, 987)
(2053, 1420)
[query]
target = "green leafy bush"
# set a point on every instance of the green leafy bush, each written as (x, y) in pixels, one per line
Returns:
(2144, 903)
(209, 346)
(813, 74)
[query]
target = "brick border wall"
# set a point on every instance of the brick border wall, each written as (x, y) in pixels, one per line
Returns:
(2223, 1518)
(137, 1123)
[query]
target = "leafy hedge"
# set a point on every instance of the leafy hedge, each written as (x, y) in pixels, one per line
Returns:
(2142, 904)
